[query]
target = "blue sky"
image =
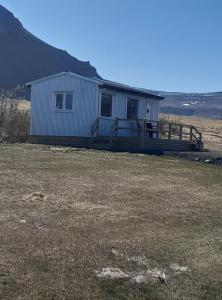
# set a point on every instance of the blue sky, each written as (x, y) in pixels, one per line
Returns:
(171, 45)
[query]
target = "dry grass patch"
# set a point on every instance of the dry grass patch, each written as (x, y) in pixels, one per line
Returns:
(211, 129)
(67, 215)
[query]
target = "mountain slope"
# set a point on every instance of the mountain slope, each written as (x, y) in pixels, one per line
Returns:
(192, 104)
(24, 57)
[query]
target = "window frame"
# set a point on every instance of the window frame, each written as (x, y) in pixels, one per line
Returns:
(137, 113)
(64, 93)
(100, 108)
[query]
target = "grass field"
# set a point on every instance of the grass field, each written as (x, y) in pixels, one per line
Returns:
(211, 129)
(80, 224)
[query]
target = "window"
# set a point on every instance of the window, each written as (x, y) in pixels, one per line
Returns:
(106, 105)
(69, 99)
(59, 101)
(132, 108)
(64, 101)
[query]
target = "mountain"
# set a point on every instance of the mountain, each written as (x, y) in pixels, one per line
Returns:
(208, 105)
(24, 57)
(192, 104)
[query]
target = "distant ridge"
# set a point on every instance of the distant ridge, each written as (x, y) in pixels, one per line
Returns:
(24, 57)
(192, 104)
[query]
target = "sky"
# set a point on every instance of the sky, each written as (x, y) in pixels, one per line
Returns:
(165, 45)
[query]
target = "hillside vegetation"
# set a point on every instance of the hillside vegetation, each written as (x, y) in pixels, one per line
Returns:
(79, 224)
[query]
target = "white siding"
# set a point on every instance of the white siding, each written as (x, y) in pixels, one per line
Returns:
(46, 121)
(120, 111)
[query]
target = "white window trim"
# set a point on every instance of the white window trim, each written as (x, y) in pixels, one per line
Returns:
(63, 110)
(138, 106)
(113, 104)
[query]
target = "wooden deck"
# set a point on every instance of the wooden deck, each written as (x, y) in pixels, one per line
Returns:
(149, 135)
(118, 143)
(157, 137)
(143, 145)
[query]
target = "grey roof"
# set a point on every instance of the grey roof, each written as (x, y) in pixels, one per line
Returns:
(128, 89)
(115, 86)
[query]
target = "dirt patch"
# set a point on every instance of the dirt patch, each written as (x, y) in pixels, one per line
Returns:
(112, 273)
(36, 196)
(179, 268)
(145, 272)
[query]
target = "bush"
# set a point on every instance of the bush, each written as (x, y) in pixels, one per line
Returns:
(14, 122)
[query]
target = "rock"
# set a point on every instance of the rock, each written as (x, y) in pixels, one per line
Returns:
(218, 159)
(179, 268)
(23, 221)
(207, 161)
(139, 279)
(111, 273)
(162, 278)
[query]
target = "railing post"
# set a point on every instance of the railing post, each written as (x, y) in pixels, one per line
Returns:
(92, 134)
(170, 131)
(191, 133)
(117, 125)
(111, 135)
(97, 127)
(93, 130)
(113, 127)
(181, 132)
(157, 129)
(200, 142)
(142, 136)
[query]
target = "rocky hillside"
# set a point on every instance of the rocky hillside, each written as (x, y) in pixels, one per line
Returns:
(193, 104)
(24, 57)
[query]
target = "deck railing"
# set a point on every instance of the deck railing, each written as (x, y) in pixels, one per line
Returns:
(140, 129)
(145, 129)
(114, 130)
(94, 129)
(173, 130)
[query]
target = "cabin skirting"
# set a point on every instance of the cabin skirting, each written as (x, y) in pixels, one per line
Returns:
(118, 143)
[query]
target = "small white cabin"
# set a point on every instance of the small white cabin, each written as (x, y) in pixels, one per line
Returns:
(67, 104)
(69, 109)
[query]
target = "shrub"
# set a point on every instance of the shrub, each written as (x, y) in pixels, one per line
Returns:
(14, 122)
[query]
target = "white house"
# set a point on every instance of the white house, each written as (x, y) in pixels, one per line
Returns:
(67, 108)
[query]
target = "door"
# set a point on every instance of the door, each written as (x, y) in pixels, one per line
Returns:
(149, 111)
(149, 117)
